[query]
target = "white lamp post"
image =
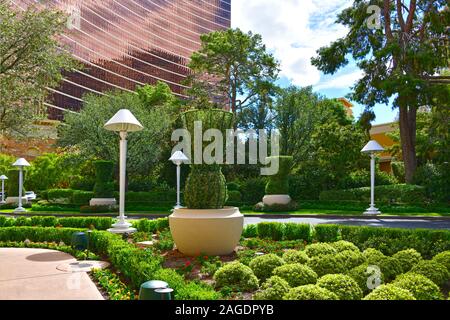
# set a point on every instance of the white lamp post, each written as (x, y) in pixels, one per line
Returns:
(20, 163)
(3, 178)
(123, 121)
(371, 148)
(178, 158)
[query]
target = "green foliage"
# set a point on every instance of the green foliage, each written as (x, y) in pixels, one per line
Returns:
(433, 270)
(60, 196)
(279, 183)
(398, 169)
(326, 232)
(205, 188)
(373, 256)
(104, 185)
(233, 186)
(310, 292)
(197, 291)
(436, 181)
(342, 285)
(361, 178)
(343, 245)
(335, 263)
(273, 289)
(100, 209)
(5, 163)
(270, 230)
(296, 274)
(295, 256)
(13, 183)
(390, 267)
(112, 284)
(264, 265)
(152, 226)
(420, 286)
(362, 274)
(297, 231)
(48, 171)
(407, 258)
(389, 292)
(401, 193)
(319, 249)
(99, 223)
(81, 198)
(250, 231)
(236, 275)
(276, 207)
(443, 258)
(253, 190)
(234, 196)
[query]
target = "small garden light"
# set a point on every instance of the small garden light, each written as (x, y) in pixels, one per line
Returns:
(178, 158)
(123, 122)
(3, 178)
(20, 163)
(371, 148)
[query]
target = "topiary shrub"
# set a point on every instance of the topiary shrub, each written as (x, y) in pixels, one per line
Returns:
(295, 256)
(270, 230)
(389, 292)
(273, 289)
(373, 256)
(326, 232)
(319, 249)
(104, 185)
(81, 198)
(264, 265)
(205, 187)
(310, 292)
(433, 270)
(237, 276)
(408, 258)
(335, 263)
(343, 245)
(366, 277)
(234, 196)
(390, 267)
(296, 274)
(420, 286)
(345, 287)
(279, 182)
(13, 183)
(443, 258)
(297, 231)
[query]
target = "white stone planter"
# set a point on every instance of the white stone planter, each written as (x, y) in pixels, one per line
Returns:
(206, 231)
(276, 199)
(102, 202)
(15, 200)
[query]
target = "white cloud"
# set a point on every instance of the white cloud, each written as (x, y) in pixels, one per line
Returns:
(340, 81)
(293, 30)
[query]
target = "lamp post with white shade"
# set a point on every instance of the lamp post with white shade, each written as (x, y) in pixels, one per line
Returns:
(178, 158)
(371, 148)
(123, 122)
(20, 163)
(3, 178)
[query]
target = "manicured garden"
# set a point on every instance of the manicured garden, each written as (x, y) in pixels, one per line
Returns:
(272, 260)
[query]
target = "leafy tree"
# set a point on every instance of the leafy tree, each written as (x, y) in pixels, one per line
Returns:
(231, 69)
(49, 171)
(30, 61)
(85, 129)
(399, 60)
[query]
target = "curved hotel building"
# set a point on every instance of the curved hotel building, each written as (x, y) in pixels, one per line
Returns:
(126, 43)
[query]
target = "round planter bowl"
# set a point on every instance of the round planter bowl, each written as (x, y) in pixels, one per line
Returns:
(102, 202)
(206, 231)
(272, 199)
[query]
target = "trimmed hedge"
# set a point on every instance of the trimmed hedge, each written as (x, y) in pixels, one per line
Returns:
(400, 193)
(345, 287)
(296, 274)
(99, 223)
(273, 289)
(104, 184)
(389, 292)
(63, 196)
(82, 198)
(310, 292)
(151, 226)
(420, 286)
(237, 276)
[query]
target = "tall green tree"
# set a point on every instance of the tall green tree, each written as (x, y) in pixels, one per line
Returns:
(400, 59)
(30, 61)
(231, 69)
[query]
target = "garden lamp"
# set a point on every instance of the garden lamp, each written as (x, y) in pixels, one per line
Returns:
(3, 178)
(178, 158)
(20, 163)
(123, 122)
(371, 148)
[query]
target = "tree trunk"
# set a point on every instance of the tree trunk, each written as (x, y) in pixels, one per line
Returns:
(408, 139)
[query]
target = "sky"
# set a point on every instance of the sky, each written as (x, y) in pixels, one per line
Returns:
(293, 30)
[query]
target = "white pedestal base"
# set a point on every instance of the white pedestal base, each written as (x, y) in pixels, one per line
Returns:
(122, 226)
(372, 211)
(102, 202)
(19, 210)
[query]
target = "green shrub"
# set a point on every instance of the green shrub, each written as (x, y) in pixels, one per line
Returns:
(400, 193)
(319, 249)
(343, 245)
(310, 292)
(62, 196)
(326, 232)
(436, 181)
(37, 234)
(443, 258)
(175, 280)
(250, 231)
(295, 256)
(420, 286)
(264, 265)
(100, 209)
(236, 275)
(276, 207)
(273, 289)
(361, 178)
(196, 291)
(398, 169)
(234, 196)
(81, 198)
(270, 230)
(99, 223)
(335, 263)
(205, 187)
(279, 183)
(233, 186)
(373, 256)
(345, 287)
(408, 258)
(390, 267)
(389, 292)
(253, 190)
(297, 231)
(365, 276)
(433, 270)
(296, 274)
(152, 226)
(104, 185)
(13, 183)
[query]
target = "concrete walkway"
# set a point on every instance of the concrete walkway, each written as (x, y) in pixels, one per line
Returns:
(31, 274)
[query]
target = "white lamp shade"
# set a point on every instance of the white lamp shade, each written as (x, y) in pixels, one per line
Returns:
(3, 177)
(21, 162)
(123, 120)
(178, 157)
(372, 146)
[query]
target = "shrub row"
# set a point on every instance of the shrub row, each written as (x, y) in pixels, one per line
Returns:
(99, 223)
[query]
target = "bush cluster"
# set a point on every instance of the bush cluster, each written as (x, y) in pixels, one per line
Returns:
(345, 287)
(389, 292)
(99, 223)
(319, 249)
(335, 262)
(264, 265)
(237, 276)
(295, 256)
(310, 292)
(296, 274)
(443, 258)
(433, 270)
(366, 277)
(420, 286)
(408, 258)
(273, 289)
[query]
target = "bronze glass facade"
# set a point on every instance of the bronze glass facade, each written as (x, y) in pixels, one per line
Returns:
(125, 43)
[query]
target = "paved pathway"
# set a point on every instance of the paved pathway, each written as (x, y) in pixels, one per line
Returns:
(372, 222)
(31, 274)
